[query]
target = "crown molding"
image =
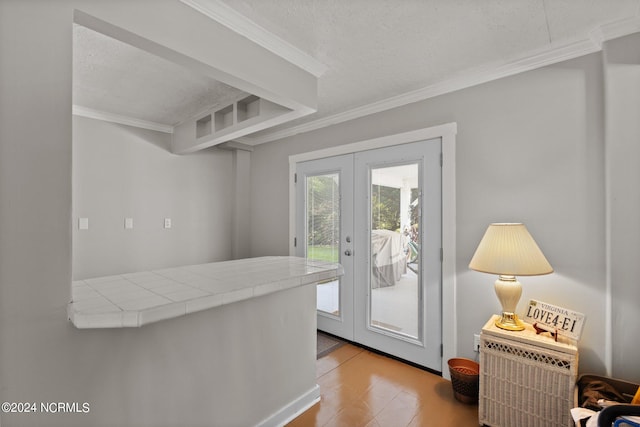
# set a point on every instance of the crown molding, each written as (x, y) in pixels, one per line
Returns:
(220, 12)
(235, 21)
(90, 113)
(616, 29)
(468, 79)
(476, 76)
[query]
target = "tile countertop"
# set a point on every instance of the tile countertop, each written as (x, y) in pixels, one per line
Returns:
(136, 299)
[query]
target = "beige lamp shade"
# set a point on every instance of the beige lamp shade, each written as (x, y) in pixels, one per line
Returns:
(508, 249)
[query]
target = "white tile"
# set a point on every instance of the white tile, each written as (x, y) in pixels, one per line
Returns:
(291, 282)
(109, 320)
(103, 309)
(170, 288)
(111, 287)
(95, 305)
(203, 283)
(203, 303)
(239, 295)
(142, 277)
(143, 303)
(326, 275)
(156, 283)
(186, 295)
(174, 273)
(213, 287)
(128, 295)
(103, 279)
(130, 319)
(267, 288)
(233, 285)
(140, 297)
(161, 313)
(310, 278)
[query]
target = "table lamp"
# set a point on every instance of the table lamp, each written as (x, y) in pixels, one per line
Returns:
(507, 249)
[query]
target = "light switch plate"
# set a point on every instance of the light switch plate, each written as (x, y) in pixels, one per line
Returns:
(128, 223)
(167, 223)
(83, 223)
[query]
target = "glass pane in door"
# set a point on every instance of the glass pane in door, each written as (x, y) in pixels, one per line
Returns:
(323, 233)
(395, 290)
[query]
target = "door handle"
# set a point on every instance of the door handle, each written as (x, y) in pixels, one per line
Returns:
(347, 252)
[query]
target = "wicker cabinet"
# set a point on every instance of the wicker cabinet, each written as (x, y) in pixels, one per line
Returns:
(526, 380)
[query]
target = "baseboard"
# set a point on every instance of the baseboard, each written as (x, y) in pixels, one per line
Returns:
(292, 409)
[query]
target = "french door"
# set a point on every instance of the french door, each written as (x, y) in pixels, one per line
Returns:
(324, 222)
(378, 213)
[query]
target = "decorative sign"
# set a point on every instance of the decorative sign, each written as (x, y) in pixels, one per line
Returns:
(554, 319)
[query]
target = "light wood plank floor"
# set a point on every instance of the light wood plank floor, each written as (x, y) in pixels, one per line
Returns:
(361, 388)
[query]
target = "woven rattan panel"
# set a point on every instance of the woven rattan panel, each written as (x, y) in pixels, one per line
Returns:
(524, 385)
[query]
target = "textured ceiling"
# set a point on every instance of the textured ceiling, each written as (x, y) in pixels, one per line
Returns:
(113, 77)
(377, 49)
(373, 49)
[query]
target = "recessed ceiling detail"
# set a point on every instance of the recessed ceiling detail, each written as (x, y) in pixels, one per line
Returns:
(117, 78)
(121, 77)
(363, 57)
(220, 125)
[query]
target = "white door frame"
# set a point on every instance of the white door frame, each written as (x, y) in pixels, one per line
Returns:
(447, 132)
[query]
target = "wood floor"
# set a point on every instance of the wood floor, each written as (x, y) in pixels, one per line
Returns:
(361, 388)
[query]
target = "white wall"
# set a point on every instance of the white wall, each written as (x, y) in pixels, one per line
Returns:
(241, 221)
(175, 372)
(529, 148)
(120, 171)
(623, 179)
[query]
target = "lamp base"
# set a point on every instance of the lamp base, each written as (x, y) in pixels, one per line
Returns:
(510, 322)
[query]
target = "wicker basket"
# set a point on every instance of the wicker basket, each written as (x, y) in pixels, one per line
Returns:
(524, 384)
(626, 388)
(465, 379)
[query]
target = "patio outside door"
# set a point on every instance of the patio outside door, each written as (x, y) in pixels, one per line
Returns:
(378, 213)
